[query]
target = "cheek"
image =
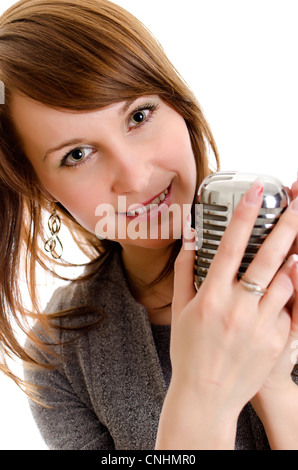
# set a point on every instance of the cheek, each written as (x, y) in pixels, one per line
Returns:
(80, 199)
(176, 142)
(179, 154)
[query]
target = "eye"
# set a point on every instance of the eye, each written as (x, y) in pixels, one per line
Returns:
(140, 116)
(77, 156)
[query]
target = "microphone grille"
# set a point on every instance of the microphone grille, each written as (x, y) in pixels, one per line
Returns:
(219, 194)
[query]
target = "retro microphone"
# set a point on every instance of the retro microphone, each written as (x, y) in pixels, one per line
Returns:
(218, 196)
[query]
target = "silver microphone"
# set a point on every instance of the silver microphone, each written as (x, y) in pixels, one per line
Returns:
(218, 196)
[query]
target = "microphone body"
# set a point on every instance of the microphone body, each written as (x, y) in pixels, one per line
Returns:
(218, 196)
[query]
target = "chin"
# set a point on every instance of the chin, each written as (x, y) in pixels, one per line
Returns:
(149, 244)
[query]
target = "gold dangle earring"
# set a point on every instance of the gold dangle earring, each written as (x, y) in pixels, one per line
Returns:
(54, 224)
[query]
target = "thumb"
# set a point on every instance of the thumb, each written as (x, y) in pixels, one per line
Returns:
(184, 289)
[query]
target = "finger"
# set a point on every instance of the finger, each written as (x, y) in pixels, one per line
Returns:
(279, 291)
(294, 278)
(294, 248)
(184, 289)
(275, 248)
(294, 189)
(283, 324)
(235, 238)
(294, 194)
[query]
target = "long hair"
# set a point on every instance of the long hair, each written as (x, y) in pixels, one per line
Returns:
(76, 55)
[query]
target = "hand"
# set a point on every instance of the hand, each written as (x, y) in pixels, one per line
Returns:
(279, 381)
(226, 340)
(293, 193)
(280, 376)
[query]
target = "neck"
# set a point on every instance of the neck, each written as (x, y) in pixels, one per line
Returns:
(143, 266)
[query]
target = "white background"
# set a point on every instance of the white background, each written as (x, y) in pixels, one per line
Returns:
(240, 58)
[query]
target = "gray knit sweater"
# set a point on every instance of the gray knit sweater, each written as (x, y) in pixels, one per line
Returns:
(108, 385)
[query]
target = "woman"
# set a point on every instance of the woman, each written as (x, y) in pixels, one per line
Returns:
(98, 129)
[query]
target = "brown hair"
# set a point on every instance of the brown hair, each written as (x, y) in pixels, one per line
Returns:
(79, 55)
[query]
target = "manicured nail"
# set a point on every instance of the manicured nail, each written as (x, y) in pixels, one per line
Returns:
(293, 259)
(188, 221)
(294, 204)
(189, 234)
(295, 272)
(189, 237)
(252, 196)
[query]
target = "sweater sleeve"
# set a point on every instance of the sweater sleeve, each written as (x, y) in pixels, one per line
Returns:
(65, 420)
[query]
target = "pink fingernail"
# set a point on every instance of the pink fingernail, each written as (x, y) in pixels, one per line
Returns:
(189, 239)
(252, 196)
(188, 221)
(293, 259)
(294, 204)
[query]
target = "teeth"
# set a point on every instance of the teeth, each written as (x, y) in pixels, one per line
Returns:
(140, 210)
(156, 200)
(152, 205)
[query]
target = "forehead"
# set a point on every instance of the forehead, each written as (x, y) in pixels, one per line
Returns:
(24, 108)
(36, 122)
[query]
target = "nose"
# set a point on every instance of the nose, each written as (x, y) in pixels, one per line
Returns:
(131, 169)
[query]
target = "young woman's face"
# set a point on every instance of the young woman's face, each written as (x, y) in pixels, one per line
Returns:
(106, 166)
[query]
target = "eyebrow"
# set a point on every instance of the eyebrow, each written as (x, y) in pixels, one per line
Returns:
(61, 146)
(72, 142)
(127, 105)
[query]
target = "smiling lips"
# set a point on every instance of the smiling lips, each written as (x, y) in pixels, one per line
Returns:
(152, 204)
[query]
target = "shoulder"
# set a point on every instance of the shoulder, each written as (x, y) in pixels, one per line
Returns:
(100, 305)
(101, 285)
(76, 304)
